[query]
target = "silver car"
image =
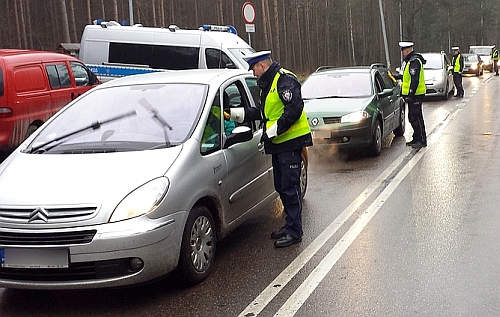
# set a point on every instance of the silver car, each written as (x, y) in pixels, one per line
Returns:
(133, 179)
(438, 75)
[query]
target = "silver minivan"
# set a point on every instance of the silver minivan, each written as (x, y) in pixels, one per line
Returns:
(137, 177)
(438, 75)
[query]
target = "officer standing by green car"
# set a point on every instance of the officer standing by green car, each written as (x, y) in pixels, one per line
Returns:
(457, 63)
(413, 91)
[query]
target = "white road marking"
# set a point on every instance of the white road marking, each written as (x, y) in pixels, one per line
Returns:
(297, 299)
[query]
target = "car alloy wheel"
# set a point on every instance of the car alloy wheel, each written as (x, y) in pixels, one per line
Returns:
(376, 145)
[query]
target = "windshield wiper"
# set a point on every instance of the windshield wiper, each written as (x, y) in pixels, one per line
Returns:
(158, 118)
(94, 126)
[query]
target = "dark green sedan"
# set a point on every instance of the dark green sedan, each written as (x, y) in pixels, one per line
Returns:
(353, 107)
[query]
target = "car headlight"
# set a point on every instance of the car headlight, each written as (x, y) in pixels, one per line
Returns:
(142, 200)
(473, 66)
(355, 116)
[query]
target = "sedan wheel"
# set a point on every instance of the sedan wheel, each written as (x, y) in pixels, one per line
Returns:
(376, 145)
(198, 246)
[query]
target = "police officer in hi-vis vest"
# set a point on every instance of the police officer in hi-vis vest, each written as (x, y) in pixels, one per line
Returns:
(495, 56)
(458, 67)
(286, 133)
(413, 91)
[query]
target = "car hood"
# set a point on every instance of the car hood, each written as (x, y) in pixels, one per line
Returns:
(75, 179)
(335, 107)
(432, 74)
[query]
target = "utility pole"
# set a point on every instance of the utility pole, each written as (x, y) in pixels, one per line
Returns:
(131, 11)
(385, 35)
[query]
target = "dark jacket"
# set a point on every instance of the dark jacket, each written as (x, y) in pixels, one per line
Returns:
(287, 84)
(414, 69)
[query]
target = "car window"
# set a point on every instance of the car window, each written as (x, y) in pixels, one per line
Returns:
(148, 117)
(470, 58)
(216, 58)
(379, 83)
(58, 76)
(337, 84)
(211, 138)
(434, 61)
(80, 73)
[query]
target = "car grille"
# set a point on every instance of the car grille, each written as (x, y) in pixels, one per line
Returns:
(75, 272)
(331, 120)
(50, 238)
(53, 215)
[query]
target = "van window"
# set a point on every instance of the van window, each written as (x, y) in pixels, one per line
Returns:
(58, 75)
(218, 59)
(1, 83)
(80, 73)
(29, 78)
(154, 56)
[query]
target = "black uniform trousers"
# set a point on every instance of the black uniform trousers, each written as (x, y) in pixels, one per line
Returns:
(286, 171)
(416, 118)
(457, 80)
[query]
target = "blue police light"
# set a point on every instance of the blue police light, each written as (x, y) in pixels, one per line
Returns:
(220, 28)
(97, 22)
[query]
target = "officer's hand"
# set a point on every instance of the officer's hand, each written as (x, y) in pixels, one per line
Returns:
(409, 99)
(271, 132)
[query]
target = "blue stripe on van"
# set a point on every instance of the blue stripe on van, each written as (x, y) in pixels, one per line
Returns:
(119, 71)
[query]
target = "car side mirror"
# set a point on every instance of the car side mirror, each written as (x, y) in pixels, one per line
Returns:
(385, 93)
(238, 135)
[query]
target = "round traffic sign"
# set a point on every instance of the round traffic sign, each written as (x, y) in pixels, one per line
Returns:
(248, 12)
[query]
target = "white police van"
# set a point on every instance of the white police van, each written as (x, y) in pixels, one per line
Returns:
(111, 50)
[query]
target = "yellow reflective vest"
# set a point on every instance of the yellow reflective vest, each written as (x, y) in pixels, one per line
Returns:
(274, 108)
(405, 85)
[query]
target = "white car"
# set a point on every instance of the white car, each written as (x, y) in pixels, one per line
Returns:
(131, 180)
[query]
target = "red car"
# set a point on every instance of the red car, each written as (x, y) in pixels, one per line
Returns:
(34, 85)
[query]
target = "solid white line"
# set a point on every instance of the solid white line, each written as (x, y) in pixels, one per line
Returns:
(302, 293)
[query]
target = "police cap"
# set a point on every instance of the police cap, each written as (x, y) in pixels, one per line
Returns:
(404, 45)
(253, 58)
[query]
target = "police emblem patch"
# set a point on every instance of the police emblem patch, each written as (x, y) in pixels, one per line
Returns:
(287, 95)
(413, 71)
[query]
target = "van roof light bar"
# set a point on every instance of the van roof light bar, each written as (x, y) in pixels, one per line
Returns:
(219, 28)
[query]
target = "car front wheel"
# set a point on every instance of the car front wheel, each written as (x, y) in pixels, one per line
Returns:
(376, 145)
(198, 246)
(303, 172)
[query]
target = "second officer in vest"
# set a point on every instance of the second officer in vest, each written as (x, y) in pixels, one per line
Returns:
(458, 67)
(413, 91)
(286, 133)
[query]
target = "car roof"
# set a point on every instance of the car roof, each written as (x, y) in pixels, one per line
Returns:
(191, 76)
(16, 55)
(353, 69)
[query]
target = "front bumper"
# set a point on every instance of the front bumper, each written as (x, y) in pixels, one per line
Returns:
(104, 261)
(344, 136)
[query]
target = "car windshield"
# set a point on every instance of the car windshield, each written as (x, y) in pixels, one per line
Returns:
(434, 61)
(337, 84)
(240, 52)
(481, 50)
(125, 118)
(470, 58)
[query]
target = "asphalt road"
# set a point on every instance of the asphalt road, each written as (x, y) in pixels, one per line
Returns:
(408, 233)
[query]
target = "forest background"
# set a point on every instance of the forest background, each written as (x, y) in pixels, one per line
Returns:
(302, 34)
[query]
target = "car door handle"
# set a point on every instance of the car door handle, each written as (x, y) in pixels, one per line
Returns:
(260, 146)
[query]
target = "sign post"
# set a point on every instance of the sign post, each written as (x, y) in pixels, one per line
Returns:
(248, 12)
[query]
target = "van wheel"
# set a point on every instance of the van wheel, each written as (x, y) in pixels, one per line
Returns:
(32, 128)
(198, 246)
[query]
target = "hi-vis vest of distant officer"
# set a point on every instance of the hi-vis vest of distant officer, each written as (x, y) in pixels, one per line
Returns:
(405, 85)
(457, 67)
(495, 55)
(274, 108)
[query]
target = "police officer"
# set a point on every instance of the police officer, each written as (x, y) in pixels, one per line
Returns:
(495, 56)
(413, 91)
(285, 133)
(457, 63)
